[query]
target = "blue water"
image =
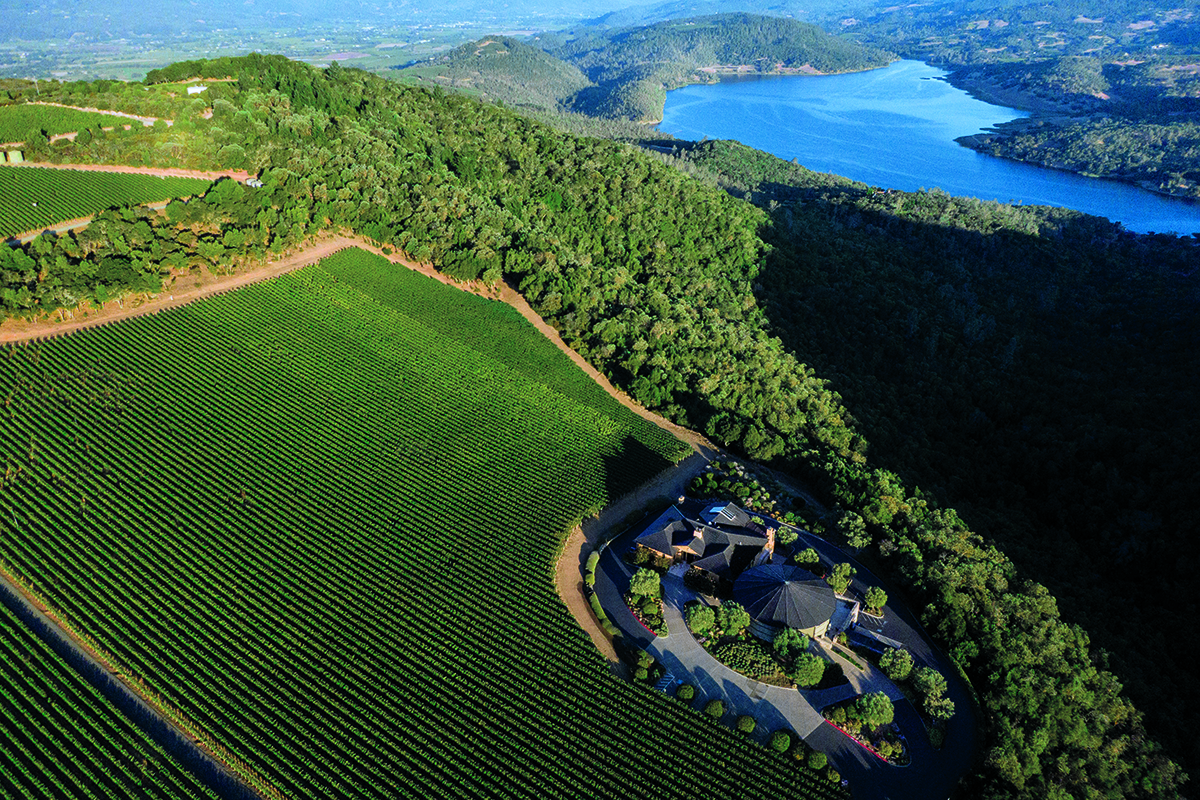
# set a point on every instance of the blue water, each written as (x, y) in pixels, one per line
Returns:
(895, 128)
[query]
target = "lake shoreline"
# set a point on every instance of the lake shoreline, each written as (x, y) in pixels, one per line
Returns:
(908, 127)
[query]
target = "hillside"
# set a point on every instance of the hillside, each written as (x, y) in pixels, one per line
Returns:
(502, 68)
(633, 66)
(684, 296)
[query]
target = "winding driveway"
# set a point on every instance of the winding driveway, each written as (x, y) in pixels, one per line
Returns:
(932, 773)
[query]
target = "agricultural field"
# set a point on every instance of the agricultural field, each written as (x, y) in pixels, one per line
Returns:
(60, 738)
(32, 198)
(17, 121)
(319, 516)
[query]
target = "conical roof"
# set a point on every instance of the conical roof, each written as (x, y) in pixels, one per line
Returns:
(788, 597)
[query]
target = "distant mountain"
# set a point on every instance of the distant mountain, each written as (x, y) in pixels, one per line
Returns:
(648, 14)
(502, 68)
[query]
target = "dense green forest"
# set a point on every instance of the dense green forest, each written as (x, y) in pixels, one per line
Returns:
(833, 316)
(1115, 85)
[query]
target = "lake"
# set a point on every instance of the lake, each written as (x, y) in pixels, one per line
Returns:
(895, 128)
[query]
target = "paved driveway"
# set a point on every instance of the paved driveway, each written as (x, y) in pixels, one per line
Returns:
(932, 774)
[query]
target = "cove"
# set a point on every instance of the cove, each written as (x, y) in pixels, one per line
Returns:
(895, 128)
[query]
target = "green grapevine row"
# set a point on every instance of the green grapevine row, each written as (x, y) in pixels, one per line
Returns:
(32, 198)
(60, 739)
(17, 121)
(318, 516)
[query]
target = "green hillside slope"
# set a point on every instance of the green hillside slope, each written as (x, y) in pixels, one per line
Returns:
(655, 277)
(502, 68)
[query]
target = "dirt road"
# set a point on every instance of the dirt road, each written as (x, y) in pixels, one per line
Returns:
(162, 172)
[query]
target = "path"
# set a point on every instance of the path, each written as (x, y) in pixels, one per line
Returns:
(163, 172)
(13, 330)
(568, 582)
(146, 121)
(179, 743)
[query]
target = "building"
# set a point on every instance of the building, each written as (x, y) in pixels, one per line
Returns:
(778, 597)
(718, 538)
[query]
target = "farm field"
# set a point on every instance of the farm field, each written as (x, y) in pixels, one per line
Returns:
(63, 194)
(60, 738)
(16, 121)
(319, 516)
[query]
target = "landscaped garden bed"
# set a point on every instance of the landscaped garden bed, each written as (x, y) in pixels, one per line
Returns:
(868, 720)
(645, 601)
(787, 661)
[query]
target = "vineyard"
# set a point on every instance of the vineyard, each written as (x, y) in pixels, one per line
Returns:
(59, 737)
(32, 198)
(318, 516)
(17, 121)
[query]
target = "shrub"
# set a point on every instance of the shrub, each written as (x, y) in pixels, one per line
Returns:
(897, 664)
(700, 619)
(700, 582)
(817, 760)
(808, 670)
(650, 607)
(781, 741)
(732, 618)
(876, 598)
(715, 708)
(786, 535)
(644, 659)
(874, 709)
(641, 674)
(746, 724)
(589, 570)
(789, 643)
(808, 557)
(686, 692)
(833, 775)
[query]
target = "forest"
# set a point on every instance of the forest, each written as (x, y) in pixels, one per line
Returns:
(907, 354)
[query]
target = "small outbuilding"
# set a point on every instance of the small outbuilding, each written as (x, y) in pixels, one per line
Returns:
(196, 89)
(779, 596)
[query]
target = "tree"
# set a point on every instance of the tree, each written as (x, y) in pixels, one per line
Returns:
(714, 709)
(817, 760)
(808, 670)
(781, 741)
(789, 643)
(645, 583)
(786, 536)
(808, 557)
(874, 709)
(732, 618)
(686, 692)
(876, 599)
(746, 724)
(854, 529)
(939, 707)
(839, 578)
(929, 682)
(896, 663)
(833, 775)
(701, 618)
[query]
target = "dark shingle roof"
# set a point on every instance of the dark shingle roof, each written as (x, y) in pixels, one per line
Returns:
(788, 597)
(717, 549)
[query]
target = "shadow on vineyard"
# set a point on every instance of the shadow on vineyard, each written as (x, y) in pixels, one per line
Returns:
(175, 743)
(625, 468)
